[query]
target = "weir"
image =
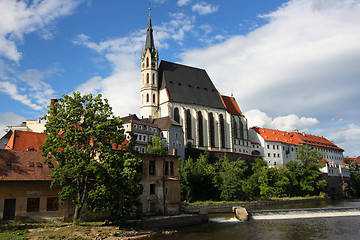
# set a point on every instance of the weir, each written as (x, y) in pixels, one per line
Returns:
(304, 213)
(235, 216)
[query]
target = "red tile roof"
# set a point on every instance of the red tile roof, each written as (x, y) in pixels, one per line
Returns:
(231, 105)
(23, 141)
(23, 166)
(356, 160)
(275, 135)
(295, 138)
(314, 140)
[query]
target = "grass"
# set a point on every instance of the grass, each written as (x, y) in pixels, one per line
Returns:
(89, 230)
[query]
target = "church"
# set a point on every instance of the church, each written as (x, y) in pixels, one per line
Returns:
(187, 95)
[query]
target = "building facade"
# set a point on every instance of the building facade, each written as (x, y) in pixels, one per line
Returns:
(188, 96)
(279, 147)
(25, 192)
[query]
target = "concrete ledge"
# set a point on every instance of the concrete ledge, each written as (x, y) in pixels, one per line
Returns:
(169, 222)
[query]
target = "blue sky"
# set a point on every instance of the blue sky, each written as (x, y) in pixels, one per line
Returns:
(290, 64)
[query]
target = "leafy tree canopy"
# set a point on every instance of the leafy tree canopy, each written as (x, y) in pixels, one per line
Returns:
(156, 147)
(94, 167)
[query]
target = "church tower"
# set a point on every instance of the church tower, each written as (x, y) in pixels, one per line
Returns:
(149, 75)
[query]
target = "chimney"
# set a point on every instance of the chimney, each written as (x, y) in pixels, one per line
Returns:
(53, 101)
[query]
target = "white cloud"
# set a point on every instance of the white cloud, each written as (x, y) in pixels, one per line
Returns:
(23, 17)
(7, 119)
(204, 8)
(183, 2)
(28, 87)
(303, 61)
(285, 123)
(13, 92)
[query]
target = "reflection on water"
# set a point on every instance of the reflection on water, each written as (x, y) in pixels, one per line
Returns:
(225, 226)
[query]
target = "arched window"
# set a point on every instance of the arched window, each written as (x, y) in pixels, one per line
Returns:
(153, 78)
(147, 78)
(222, 131)
(241, 126)
(176, 115)
(211, 130)
(200, 129)
(147, 62)
(154, 98)
(147, 97)
(234, 128)
(188, 124)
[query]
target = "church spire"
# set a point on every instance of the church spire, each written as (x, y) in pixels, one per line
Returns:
(149, 43)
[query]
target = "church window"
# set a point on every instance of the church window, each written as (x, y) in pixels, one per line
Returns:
(235, 129)
(211, 130)
(188, 124)
(147, 78)
(200, 129)
(147, 62)
(153, 78)
(176, 115)
(222, 131)
(241, 130)
(147, 97)
(154, 98)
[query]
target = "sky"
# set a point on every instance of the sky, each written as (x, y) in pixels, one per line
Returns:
(290, 64)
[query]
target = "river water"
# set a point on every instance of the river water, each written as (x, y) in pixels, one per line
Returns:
(225, 226)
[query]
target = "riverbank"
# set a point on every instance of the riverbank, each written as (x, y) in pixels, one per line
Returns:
(89, 230)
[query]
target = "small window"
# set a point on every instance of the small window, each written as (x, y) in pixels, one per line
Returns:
(52, 204)
(152, 188)
(140, 127)
(268, 154)
(152, 167)
(33, 205)
(174, 144)
(171, 168)
(274, 154)
(166, 168)
(176, 135)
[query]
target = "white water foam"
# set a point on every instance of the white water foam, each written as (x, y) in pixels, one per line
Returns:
(307, 215)
(223, 220)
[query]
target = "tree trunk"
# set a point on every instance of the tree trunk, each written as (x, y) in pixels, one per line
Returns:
(77, 212)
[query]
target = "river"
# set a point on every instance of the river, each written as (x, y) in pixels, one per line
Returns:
(225, 226)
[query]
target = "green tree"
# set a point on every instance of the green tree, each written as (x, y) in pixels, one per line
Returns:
(305, 176)
(231, 177)
(87, 141)
(355, 180)
(156, 147)
(198, 179)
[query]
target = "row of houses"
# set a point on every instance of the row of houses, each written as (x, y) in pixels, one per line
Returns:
(25, 192)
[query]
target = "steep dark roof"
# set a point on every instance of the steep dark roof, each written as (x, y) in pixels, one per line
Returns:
(129, 118)
(188, 85)
(165, 123)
